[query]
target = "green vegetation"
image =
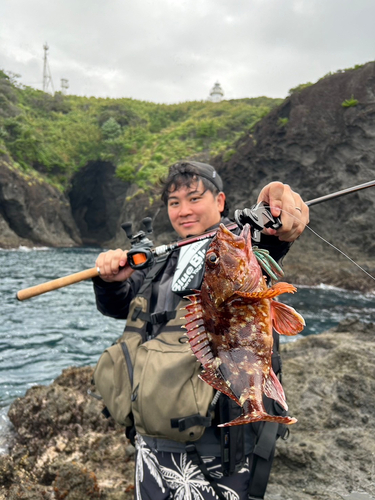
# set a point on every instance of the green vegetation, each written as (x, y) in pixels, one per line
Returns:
(349, 103)
(283, 122)
(57, 135)
(300, 87)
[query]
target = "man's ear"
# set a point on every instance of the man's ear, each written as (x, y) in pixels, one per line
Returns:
(220, 200)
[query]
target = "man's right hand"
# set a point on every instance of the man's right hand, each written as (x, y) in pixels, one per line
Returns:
(113, 265)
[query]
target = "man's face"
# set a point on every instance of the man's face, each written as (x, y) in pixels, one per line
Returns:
(192, 210)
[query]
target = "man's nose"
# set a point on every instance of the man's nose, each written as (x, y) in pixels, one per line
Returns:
(185, 209)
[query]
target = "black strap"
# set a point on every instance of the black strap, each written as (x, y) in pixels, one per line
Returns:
(187, 422)
(154, 271)
(128, 360)
(154, 318)
(196, 459)
(264, 450)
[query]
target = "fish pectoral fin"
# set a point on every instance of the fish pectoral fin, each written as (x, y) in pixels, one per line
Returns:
(274, 390)
(269, 293)
(212, 378)
(285, 319)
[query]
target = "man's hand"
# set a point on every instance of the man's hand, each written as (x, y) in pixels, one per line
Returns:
(113, 265)
(288, 205)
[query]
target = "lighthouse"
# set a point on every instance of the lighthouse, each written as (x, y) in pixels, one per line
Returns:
(216, 93)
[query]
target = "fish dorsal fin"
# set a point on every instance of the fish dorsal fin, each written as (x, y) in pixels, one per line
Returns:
(196, 331)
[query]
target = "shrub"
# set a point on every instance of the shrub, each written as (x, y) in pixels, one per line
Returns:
(282, 122)
(349, 103)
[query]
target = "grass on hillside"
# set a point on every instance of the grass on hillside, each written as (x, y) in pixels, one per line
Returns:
(57, 135)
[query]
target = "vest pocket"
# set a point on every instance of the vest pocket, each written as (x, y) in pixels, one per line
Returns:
(168, 389)
(113, 377)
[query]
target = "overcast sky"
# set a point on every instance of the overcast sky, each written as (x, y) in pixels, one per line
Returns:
(175, 50)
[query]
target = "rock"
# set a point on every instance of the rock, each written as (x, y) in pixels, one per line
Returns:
(330, 386)
(97, 199)
(65, 448)
(33, 213)
(74, 482)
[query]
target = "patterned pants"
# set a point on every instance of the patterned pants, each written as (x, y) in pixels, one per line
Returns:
(166, 476)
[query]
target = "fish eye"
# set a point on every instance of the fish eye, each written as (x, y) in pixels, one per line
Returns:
(212, 259)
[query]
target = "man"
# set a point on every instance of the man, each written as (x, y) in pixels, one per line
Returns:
(165, 466)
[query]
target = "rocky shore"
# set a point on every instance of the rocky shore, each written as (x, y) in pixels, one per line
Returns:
(62, 447)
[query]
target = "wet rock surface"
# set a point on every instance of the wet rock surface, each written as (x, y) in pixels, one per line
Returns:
(64, 448)
(329, 381)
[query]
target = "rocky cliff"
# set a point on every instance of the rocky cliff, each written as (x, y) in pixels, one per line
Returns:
(63, 448)
(32, 212)
(317, 145)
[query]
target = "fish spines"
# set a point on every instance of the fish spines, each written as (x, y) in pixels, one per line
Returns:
(196, 332)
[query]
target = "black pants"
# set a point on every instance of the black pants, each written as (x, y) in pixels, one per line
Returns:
(166, 476)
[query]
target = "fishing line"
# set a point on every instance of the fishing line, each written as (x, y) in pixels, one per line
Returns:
(342, 253)
(330, 244)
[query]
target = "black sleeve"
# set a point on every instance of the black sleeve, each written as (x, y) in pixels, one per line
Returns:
(113, 299)
(277, 249)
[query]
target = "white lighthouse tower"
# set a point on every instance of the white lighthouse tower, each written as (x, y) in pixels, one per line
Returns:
(216, 93)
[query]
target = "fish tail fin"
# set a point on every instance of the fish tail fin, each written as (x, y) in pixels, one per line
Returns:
(259, 417)
(274, 390)
(285, 319)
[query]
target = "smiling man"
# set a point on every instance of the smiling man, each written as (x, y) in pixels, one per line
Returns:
(181, 453)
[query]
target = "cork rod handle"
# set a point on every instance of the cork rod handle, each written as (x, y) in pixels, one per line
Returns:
(33, 291)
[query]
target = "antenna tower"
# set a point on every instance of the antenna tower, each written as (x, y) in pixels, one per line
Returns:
(47, 77)
(64, 85)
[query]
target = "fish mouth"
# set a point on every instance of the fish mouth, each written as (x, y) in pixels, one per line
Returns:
(246, 234)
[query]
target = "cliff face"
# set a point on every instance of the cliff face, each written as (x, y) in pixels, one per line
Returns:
(32, 212)
(317, 146)
(97, 199)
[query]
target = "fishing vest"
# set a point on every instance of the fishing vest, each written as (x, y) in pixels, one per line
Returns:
(155, 382)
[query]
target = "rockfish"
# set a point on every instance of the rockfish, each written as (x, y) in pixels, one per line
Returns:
(229, 326)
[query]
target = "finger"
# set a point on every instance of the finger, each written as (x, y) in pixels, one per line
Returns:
(109, 264)
(300, 218)
(272, 194)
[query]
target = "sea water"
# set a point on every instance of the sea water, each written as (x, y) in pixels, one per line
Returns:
(41, 336)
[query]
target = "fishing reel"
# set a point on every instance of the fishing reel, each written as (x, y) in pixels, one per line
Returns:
(259, 217)
(140, 255)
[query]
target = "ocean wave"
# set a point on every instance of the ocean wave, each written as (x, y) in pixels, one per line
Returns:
(22, 248)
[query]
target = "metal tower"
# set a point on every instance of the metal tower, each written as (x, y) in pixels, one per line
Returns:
(64, 85)
(47, 77)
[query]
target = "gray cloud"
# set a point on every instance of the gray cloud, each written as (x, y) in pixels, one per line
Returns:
(173, 51)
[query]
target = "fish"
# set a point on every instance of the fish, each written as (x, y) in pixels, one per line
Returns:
(229, 324)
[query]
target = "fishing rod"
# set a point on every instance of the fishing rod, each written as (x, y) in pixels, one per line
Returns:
(340, 193)
(142, 252)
